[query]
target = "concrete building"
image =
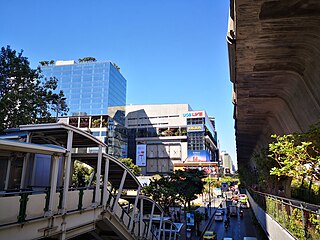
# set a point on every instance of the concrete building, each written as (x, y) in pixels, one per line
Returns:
(165, 137)
(227, 163)
(90, 88)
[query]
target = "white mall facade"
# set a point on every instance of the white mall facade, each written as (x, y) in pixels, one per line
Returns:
(165, 137)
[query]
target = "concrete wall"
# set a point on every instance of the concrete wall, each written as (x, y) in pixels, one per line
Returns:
(270, 226)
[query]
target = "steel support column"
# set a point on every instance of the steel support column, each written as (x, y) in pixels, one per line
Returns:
(150, 221)
(120, 189)
(53, 186)
(134, 209)
(67, 172)
(98, 174)
(105, 183)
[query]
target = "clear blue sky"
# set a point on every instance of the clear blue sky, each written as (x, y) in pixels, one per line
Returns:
(170, 51)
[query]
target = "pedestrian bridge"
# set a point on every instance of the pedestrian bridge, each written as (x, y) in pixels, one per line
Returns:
(39, 200)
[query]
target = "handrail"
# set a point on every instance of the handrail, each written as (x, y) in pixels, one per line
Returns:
(293, 215)
(297, 203)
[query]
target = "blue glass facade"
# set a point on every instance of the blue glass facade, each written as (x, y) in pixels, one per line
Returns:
(90, 88)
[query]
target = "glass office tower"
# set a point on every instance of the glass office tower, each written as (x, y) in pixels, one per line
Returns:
(90, 87)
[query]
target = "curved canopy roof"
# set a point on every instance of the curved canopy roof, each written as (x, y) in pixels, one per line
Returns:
(57, 133)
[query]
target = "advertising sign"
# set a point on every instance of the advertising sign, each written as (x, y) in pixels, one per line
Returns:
(124, 151)
(194, 114)
(224, 186)
(195, 128)
(198, 156)
(190, 219)
(141, 156)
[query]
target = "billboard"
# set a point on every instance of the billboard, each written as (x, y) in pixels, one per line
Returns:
(141, 156)
(195, 128)
(198, 156)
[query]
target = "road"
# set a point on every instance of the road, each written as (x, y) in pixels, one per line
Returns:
(239, 227)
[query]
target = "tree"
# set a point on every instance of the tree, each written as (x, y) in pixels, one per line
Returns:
(44, 63)
(188, 184)
(25, 98)
(116, 66)
(297, 156)
(128, 162)
(81, 174)
(87, 59)
(163, 191)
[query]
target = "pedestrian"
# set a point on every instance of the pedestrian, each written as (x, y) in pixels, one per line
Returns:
(175, 217)
(178, 215)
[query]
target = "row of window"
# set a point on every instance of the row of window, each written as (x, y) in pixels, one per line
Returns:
(147, 124)
(191, 121)
(153, 117)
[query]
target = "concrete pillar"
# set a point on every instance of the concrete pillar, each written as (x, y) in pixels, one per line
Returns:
(67, 172)
(98, 174)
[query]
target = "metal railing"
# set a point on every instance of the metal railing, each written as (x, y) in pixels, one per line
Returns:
(300, 219)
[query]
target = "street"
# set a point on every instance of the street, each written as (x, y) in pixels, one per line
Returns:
(239, 227)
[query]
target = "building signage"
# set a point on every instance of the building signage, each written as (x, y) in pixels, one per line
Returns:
(195, 128)
(194, 114)
(224, 186)
(198, 156)
(141, 157)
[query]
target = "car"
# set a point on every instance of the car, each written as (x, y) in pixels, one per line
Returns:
(235, 197)
(233, 209)
(244, 205)
(218, 216)
(209, 235)
(243, 198)
(220, 210)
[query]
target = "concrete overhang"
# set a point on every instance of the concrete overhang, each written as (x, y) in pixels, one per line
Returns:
(274, 59)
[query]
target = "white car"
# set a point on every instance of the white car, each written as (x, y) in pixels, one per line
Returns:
(218, 216)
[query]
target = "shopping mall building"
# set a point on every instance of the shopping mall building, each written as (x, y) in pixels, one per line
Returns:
(166, 137)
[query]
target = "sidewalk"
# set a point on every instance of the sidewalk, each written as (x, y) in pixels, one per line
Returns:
(204, 224)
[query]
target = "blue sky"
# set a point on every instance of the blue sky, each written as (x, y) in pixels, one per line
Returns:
(170, 51)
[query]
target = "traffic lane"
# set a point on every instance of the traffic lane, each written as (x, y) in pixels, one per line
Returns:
(248, 227)
(239, 227)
